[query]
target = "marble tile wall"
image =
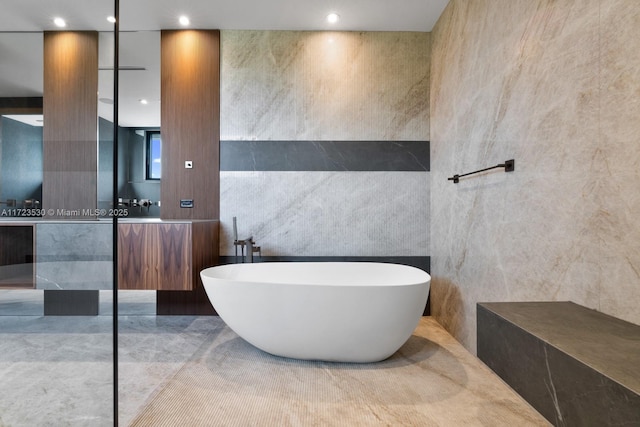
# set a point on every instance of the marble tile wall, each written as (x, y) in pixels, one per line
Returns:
(312, 87)
(292, 85)
(553, 85)
(327, 213)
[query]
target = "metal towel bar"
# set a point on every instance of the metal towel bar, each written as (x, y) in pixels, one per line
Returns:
(509, 166)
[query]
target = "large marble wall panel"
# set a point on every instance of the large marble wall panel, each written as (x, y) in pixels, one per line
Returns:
(545, 83)
(292, 85)
(327, 213)
(323, 91)
(618, 158)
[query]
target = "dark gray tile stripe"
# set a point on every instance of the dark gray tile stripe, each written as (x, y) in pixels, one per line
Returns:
(324, 156)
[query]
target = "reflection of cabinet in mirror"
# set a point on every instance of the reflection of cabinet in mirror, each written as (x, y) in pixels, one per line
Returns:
(16, 256)
(165, 256)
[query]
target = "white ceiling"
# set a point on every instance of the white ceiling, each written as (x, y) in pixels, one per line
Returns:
(21, 54)
(356, 15)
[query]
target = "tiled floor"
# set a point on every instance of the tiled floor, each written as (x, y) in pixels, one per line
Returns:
(57, 371)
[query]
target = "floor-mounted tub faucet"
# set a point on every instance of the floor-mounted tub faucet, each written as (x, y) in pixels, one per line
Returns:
(248, 243)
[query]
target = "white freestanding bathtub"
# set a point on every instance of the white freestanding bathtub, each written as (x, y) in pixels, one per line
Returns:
(330, 311)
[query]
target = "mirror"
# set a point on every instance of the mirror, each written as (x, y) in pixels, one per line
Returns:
(138, 115)
(21, 83)
(21, 121)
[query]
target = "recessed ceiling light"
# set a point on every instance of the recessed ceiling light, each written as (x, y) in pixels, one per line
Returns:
(184, 21)
(332, 18)
(111, 19)
(144, 102)
(59, 22)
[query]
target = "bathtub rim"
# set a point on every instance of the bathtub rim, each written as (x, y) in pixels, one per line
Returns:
(419, 275)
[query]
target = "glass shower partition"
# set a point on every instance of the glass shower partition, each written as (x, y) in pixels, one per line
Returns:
(57, 255)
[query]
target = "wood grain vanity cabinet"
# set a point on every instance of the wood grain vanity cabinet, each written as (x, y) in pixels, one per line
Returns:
(165, 256)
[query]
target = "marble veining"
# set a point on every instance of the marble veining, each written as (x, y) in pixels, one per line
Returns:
(431, 380)
(327, 213)
(582, 366)
(293, 85)
(74, 255)
(607, 344)
(337, 91)
(552, 85)
(552, 388)
(63, 241)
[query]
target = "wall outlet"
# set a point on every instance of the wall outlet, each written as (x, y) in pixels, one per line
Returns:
(188, 164)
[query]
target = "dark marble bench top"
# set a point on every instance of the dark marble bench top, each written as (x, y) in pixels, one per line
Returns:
(609, 345)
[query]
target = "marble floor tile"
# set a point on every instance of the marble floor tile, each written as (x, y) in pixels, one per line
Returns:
(178, 369)
(431, 381)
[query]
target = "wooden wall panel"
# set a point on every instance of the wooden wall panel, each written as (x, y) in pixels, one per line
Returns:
(190, 116)
(70, 109)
